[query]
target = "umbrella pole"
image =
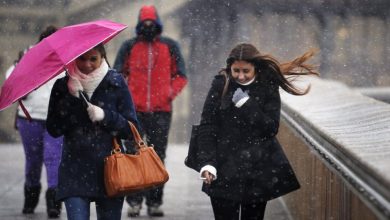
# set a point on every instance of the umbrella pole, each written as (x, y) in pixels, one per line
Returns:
(25, 110)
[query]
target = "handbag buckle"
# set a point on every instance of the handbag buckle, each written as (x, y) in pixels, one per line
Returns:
(142, 144)
(115, 151)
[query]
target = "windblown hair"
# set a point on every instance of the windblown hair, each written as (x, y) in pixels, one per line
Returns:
(267, 67)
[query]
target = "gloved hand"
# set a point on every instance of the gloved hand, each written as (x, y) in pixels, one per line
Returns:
(95, 113)
(74, 86)
(240, 97)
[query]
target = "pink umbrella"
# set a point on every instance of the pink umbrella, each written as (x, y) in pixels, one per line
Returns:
(49, 57)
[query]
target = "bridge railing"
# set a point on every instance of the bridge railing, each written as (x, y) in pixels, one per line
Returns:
(338, 142)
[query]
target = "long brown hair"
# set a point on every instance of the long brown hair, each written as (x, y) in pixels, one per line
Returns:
(266, 66)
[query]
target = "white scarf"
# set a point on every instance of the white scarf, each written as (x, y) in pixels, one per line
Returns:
(247, 83)
(89, 81)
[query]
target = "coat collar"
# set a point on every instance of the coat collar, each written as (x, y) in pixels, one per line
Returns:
(112, 79)
(233, 85)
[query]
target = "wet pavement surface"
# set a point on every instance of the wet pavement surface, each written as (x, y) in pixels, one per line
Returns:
(183, 199)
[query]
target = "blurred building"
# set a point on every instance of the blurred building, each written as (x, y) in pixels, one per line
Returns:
(23, 20)
(352, 35)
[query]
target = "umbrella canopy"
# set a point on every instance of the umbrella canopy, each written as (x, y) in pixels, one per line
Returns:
(49, 57)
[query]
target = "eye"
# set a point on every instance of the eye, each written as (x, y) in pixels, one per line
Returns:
(82, 58)
(246, 70)
(93, 59)
(236, 70)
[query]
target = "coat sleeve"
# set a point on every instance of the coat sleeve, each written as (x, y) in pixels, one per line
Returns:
(209, 124)
(178, 71)
(65, 111)
(117, 121)
(265, 117)
(120, 63)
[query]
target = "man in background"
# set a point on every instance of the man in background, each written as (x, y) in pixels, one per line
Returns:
(154, 69)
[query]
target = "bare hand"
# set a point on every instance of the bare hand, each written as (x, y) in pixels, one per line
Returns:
(208, 177)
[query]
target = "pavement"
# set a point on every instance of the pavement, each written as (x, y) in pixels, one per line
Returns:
(183, 199)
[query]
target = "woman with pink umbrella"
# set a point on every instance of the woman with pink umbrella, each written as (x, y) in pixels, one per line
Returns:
(89, 126)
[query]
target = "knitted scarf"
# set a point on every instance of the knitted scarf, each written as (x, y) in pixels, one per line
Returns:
(89, 81)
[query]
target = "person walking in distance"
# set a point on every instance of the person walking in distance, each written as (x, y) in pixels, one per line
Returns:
(40, 148)
(154, 69)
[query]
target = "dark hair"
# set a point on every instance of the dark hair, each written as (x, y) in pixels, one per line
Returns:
(20, 55)
(47, 32)
(267, 67)
(100, 48)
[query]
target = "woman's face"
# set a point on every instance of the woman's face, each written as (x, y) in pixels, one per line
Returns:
(89, 61)
(242, 71)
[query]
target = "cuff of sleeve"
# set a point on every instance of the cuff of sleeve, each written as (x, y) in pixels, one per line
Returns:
(107, 118)
(211, 170)
(241, 102)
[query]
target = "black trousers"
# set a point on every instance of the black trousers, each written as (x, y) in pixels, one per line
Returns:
(231, 210)
(155, 127)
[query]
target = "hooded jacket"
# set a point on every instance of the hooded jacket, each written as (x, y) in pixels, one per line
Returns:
(155, 70)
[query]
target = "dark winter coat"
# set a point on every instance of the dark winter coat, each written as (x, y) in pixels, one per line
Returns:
(240, 143)
(86, 144)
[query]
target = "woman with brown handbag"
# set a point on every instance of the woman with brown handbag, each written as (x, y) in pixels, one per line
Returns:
(89, 127)
(241, 162)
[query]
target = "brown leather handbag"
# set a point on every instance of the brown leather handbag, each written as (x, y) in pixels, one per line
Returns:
(127, 173)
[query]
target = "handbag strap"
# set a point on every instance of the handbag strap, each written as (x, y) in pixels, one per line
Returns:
(137, 138)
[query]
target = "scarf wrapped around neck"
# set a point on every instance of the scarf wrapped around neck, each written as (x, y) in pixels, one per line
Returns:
(89, 81)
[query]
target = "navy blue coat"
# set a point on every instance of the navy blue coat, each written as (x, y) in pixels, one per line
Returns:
(86, 144)
(241, 144)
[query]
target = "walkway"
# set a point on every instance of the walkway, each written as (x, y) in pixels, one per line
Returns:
(183, 199)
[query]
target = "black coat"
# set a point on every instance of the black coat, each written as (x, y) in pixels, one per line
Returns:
(86, 144)
(241, 144)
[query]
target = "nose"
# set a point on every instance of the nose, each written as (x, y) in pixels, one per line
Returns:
(88, 65)
(241, 76)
